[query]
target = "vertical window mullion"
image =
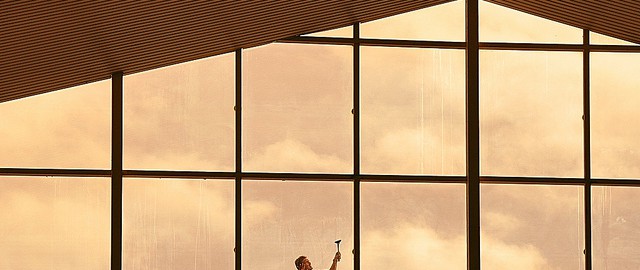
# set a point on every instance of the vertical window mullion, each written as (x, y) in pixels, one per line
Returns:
(238, 155)
(473, 135)
(116, 169)
(587, 147)
(356, 145)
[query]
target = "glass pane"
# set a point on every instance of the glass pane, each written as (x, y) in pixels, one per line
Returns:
(596, 38)
(532, 227)
(69, 128)
(413, 111)
(413, 226)
(178, 224)
(441, 22)
(285, 220)
(502, 24)
(55, 223)
(616, 227)
(181, 117)
(345, 32)
(531, 113)
(297, 108)
(615, 111)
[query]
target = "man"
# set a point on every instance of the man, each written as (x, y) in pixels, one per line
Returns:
(302, 263)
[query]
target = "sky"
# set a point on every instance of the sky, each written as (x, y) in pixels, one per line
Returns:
(297, 102)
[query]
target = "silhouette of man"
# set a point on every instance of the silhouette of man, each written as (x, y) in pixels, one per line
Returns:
(302, 263)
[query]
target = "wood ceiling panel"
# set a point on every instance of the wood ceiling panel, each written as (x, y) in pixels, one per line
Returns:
(50, 45)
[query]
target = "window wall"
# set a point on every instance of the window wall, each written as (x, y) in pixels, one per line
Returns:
(361, 134)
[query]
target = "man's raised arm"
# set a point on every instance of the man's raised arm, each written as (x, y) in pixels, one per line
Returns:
(336, 259)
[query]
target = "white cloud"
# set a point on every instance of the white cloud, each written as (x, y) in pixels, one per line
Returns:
(411, 246)
(257, 211)
(54, 224)
(503, 223)
(409, 150)
(498, 255)
(294, 156)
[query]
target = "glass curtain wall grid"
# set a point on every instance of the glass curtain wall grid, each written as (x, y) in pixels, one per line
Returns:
(359, 179)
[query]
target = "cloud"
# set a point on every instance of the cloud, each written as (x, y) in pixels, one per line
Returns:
(412, 246)
(500, 255)
(178, 224)
(54, 224)
(408, 246)
(181, 117)
(413, 151)
(286, 219)
(531, 125)
(69, 129)
(504, 224)
(293, 156)
(258, 211)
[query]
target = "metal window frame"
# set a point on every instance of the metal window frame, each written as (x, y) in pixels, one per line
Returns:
(117, 94)
(472, 180)
(472, 123)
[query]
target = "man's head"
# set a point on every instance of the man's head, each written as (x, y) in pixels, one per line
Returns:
(302, 263)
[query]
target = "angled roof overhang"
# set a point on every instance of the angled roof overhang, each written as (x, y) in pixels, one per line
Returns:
(50, 45)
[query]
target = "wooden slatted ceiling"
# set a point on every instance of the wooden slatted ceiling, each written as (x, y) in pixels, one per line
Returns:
(51, 45)
(615, 18)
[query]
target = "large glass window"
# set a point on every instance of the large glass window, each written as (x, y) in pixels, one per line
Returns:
(300, 189)
(531, 113)
(413, 226)
(444, 22)
(297, 102)
(616, 227)
(412, 111)
(68, 128)
(284, 220)
(502, 24)
(54, 223)
(178, 224)
(181, 117)
(615, 111)
(532, 227)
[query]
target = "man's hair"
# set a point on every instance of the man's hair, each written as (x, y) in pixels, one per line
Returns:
(299, 261)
